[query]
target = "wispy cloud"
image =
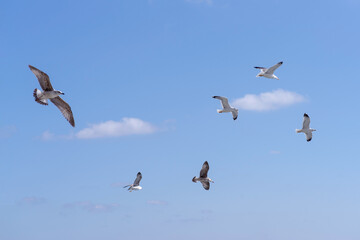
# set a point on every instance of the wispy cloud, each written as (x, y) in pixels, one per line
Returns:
(119, 184)
(31, 201)
(274, 152)
(157, 202)
(108, 129)
(91, 207)
(201, 216)
(47, 135)
(125, 127)
(208, 2)
(268, 101)
(7, 131)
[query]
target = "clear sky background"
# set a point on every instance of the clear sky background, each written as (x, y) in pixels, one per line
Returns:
(139, 76)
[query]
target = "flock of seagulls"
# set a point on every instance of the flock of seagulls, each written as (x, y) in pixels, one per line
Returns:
(49, 93)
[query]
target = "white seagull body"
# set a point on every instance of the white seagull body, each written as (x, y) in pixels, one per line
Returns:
(135, 186)
(50, 93)
(306, 128)
(269, 72)
(205, 181)
(227, 107)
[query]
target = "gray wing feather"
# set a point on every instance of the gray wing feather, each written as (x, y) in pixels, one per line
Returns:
(65, 109)
(206, 185)
(235, 115)
(262, 68)
(43, 79)
(224, 101)
(138, 179)
(273, 68)
(306, 122)
(204, 170)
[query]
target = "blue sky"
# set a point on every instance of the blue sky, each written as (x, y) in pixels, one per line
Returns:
(139, 76)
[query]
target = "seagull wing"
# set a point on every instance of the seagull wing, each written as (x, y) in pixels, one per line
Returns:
(306, 121)
(65, 109)
(308, 136)
(43, 79)
(262, 69)
(206, 185)
(235, 114)
(138, 179)
(204, 170)
(273, 68)
(224, 101)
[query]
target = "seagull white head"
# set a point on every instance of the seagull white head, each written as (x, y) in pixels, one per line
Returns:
(59, 92)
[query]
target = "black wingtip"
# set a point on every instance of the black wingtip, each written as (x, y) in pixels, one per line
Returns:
(281, 62)
(305, 115)
(309, 140)
(235, 118)
(214, 96)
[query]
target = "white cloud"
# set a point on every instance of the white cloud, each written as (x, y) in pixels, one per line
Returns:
(91, 207)
(47, 135)
(125, 127)
(274, 152)
(7, 131)
(119, 184)
(268, 100)
(157, 202)
(32, 201)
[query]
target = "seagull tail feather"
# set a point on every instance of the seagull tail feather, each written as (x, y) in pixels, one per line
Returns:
(298, 130)
(37, 93)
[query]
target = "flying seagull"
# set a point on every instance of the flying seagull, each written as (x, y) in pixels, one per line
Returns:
(306, 128)
(135, 185)
(205, 181)
(50, 93)
(227, 107)
(268, 72)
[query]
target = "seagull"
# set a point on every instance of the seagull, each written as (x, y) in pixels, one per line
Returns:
(50, 93)
(227, 107)
(306, 128)
(135, 186)
(205, 181)
(268, 72)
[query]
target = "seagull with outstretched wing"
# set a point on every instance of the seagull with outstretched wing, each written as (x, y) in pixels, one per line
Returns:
(204, 179)
(306, 128)
(227, 107)
(51, 94)
(268, 72)
(136, 185)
